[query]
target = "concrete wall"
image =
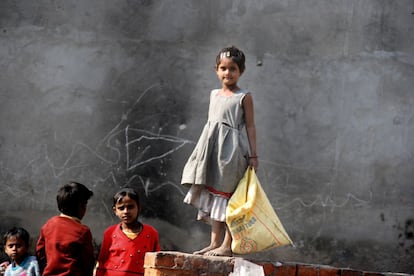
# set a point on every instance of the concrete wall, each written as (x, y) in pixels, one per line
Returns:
(111, 93)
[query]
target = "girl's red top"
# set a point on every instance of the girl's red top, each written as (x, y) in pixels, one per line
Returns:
(119, 255)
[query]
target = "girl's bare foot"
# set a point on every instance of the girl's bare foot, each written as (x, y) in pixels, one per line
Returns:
(220, 251)
(204, 250)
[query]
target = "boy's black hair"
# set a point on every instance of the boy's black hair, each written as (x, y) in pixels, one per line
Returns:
(19, 233)
(71, 196)
(235, 54)
(130, 192)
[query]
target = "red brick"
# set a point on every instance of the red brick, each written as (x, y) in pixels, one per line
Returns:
(169, 263)
(179, 262)
(220, 265)
(198, 263)
(151, 272)
(150, 259)
(158, 259)
(268, 269)
(329, 271)
(165, 272)
(286, 270)
(307, 270)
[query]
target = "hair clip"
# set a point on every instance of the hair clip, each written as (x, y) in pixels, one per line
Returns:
(226, 54)
(231, 54)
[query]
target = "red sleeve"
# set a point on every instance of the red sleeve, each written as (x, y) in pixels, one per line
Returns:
(104, 251)
(155, 238)
(87, 255)
(40, 252)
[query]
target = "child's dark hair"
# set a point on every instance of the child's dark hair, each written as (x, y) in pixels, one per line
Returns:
(130, 192)
(235, 54)
(71, 196)
(19, 233)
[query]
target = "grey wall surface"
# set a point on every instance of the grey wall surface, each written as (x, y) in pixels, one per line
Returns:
(114, 93)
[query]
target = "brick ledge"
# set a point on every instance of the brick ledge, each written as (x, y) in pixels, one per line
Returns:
(173, 263)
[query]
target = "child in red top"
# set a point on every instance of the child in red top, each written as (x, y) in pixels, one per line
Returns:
(65, 244)
(124, 245)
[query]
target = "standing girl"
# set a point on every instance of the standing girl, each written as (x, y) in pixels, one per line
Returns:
(227, 145)
(124, 245)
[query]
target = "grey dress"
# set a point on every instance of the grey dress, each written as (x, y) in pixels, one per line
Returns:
(220, 157)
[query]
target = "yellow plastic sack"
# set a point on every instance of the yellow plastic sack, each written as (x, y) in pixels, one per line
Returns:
(253, 223)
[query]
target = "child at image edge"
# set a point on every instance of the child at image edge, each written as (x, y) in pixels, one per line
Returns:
(226, 147)
(65, 244)
(16, 245)
(124, 245)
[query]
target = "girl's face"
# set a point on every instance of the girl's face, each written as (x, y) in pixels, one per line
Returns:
(228, 72)
(16, 249)
(127, 210)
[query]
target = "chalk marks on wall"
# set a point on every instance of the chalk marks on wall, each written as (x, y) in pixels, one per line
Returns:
(135, 152)
(326, 201)
(115, 160)
(307, 187)
(132, 164)
(128, 147)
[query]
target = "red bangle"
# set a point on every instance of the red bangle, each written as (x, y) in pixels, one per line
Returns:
(252, 157)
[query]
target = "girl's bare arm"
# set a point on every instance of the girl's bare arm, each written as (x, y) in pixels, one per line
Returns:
(251, 129)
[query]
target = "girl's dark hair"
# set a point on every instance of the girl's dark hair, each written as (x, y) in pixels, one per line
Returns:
(71, 196)
(19, 233)
(130, 192)
(235, 54)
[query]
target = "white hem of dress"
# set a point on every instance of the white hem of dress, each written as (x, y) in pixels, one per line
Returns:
(210, 206)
